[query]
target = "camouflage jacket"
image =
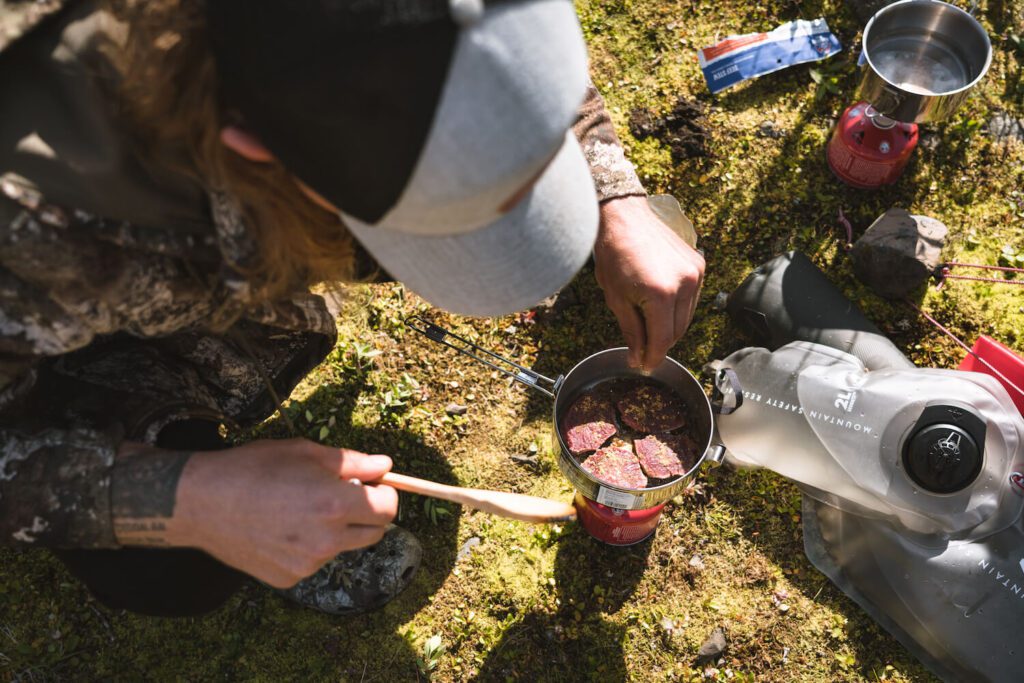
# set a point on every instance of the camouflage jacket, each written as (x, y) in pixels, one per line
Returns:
(111, 273)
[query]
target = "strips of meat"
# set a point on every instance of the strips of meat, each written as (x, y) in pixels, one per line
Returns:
(666, 455)
(651, 409)
(616, 465)
(588, 423)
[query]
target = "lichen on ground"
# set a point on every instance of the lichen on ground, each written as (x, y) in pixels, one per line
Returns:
(530, 603)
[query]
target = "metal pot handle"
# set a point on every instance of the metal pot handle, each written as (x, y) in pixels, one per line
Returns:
(728, 394)
(523, 375)
(879, 108)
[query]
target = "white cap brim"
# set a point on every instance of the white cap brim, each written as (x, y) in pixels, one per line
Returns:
(511, 264)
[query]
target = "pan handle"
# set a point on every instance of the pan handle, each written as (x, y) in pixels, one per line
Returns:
(879, 111)
(716, 456)
(467, 348)
(728, 394)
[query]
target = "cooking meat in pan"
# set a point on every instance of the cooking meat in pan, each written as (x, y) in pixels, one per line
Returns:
(651, 409)
(666, 455)
(644, 421)
(616, 464)
(588, 423)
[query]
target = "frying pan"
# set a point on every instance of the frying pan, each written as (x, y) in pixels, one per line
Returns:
(592, 370)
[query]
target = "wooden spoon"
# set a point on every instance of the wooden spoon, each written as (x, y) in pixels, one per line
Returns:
(501, 503)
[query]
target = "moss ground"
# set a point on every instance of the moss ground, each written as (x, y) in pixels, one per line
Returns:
(529, 603)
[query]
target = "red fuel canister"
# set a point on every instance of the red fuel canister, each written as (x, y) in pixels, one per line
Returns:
(614, 526)
(868, 150)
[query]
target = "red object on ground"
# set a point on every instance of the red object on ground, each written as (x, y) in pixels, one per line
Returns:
(1002, 359)
(614, 526)
(864, 154)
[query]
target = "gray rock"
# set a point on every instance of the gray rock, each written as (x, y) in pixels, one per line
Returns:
(929, 141)
(898, 252)
(1002, 127)
(467, 548)
(456, 409)
(713, 647)
(556, 304)
(770, 129)
(669, 628)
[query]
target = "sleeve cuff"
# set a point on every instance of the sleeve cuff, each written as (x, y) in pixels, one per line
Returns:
(614, 176)
(55, 488)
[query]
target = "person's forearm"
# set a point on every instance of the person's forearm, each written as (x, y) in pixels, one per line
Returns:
(614, 176)
(143, 493)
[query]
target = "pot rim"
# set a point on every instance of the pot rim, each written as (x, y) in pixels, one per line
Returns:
(566, 454)
(899, 4)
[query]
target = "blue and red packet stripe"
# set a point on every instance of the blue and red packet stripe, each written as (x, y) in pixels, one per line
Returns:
(738, 58)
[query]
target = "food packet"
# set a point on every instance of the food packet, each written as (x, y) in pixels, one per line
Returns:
(738, 58)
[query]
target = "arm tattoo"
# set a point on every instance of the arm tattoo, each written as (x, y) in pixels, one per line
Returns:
(143, 491)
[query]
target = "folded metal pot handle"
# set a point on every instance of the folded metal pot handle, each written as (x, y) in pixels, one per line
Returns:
(728, 394)
(885, 104)
(520, 374)
(717, 455)
(726, 397)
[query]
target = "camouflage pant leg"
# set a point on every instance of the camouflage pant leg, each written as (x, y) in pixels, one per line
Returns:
(166, 392)
(60, 437)
(161, 582)
(144, 385)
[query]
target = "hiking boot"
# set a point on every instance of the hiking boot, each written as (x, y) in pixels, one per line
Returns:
(362, 580)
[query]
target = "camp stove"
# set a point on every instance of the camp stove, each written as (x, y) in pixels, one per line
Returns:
(869, 150)
(616, 526)
(611, 513)
(920, 60)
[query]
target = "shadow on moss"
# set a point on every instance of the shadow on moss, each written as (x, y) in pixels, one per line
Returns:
(576, 642)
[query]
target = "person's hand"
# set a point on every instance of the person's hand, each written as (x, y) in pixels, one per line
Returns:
(277, 510)
(650, 277)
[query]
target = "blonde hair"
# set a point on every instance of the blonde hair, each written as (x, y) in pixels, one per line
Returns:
(169, 101)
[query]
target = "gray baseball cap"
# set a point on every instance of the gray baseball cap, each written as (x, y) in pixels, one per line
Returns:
(454, 110)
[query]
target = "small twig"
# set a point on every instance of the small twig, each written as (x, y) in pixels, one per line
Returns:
(243, 343)
(104, 621)
(849, 229)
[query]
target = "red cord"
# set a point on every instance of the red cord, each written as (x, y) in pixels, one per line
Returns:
(1006, 380)
(983, 267)
(994, 280)
(945, 273)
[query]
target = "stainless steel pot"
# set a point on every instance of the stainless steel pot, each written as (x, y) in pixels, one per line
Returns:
(922, 57)
(600, 367)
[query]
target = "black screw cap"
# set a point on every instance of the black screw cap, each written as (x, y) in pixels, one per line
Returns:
(942, 458)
